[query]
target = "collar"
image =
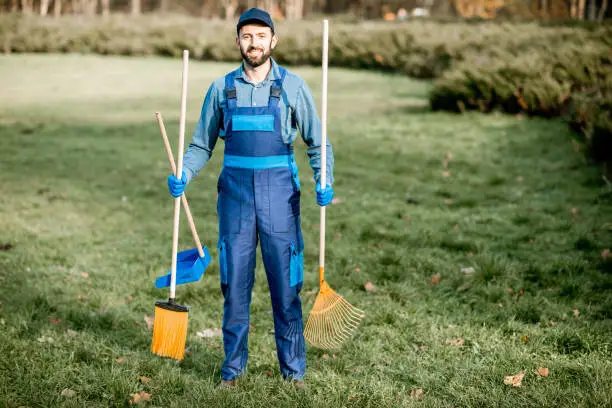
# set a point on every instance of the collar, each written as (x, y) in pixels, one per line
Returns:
(272, 75)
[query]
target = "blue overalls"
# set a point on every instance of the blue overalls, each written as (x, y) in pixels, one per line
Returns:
(259, 199)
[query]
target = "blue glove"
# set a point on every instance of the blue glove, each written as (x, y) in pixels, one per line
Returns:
(324, 196)
(177, 186)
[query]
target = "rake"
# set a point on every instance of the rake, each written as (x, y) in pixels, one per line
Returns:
(332, 319)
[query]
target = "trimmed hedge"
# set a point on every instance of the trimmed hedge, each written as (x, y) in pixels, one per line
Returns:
(515, 67)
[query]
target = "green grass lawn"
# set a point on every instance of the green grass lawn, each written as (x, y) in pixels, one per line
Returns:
(502, 209)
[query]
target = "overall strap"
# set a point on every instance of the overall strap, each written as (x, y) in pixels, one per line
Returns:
(230, 90)
(276, 89)
(230, 98)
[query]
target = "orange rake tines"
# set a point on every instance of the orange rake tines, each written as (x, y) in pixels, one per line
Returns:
(332, 319)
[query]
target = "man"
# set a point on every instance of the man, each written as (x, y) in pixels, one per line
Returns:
(257, 110)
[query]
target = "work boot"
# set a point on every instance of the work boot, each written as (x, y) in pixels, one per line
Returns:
(225, 384)
(297, 384)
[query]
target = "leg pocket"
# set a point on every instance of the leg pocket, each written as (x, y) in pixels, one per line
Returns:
(222, 246)
(228, 204)
(296, 268)
(284, 207)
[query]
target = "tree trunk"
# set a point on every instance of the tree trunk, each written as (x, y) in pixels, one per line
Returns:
(135, 6)
(14, 6)
(105, 8)
(57, 8)
(230, 6)
(44, 7)
(27, 6)
(545, 9)
(581, 9)
(88, 7)
(592, 10)
(294, 9)
(602, 10)
(574, 9)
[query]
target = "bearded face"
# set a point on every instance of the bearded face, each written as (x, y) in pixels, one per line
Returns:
(256, 43)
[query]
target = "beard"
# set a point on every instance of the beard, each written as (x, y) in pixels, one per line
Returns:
(255, 61)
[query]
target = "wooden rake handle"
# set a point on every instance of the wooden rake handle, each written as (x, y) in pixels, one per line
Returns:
(323, 169)
(192, 226)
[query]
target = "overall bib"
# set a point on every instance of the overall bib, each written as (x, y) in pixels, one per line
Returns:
(259, 200)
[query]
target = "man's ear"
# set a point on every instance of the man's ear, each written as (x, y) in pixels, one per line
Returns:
(274, 41)
(237, 42)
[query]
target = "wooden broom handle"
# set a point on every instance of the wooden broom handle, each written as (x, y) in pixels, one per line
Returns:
(323, 170)
(178, 174)
(196, 238)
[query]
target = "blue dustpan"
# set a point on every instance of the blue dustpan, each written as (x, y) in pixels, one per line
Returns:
(190, 267)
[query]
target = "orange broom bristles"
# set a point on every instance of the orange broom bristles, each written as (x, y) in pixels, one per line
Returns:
(332, 319)
(170, 330)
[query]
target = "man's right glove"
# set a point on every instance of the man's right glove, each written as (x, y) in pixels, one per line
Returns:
(324, 196)
(176, 186)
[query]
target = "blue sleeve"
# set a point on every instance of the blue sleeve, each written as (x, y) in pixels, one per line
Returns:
(309, 124)
(204, 136)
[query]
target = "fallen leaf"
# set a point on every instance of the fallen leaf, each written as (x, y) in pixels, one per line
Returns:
(576, 312)
(379, 58)
(456, 227)
(449, 156)
(129, 299)
(121, 360)
(509, 290)
(53, 320)
(149, 321)
(369, 287)
(423, 348)
(467, 271)
(84, 275)
(417, 394)
(137, 398)
(435, 279)
(325, 357)
(71, 333)
(553, 323)
(448, 202)
(357, 269)
(209, 333)
(250, 328)
(519, 179)
(336, 201)
(446, 174)
(269, 373)
(353, 398)
(82, 298)
(67, 392)
(455, 343)
(574, 211)
(44, 339)
(605, 254)
(524, 339)
(542, 371)
(514, 380)
(144, 380)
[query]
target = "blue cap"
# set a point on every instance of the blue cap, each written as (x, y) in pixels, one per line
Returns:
(255, 15)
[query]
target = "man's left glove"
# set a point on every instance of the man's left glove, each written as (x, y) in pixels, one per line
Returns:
(324, 196)
(176, 186)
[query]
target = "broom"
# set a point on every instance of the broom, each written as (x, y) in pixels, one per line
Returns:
(332, 319)
(170, 324)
